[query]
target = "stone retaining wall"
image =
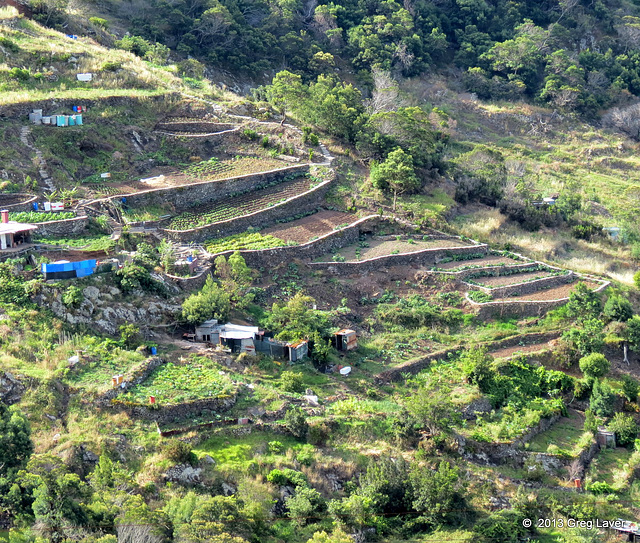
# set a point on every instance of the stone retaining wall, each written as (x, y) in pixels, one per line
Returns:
(303, 202)
(201, 127)
(413, 366)
(463, 274)
(526, 339)
(426, 257)
(528, 287)
(166, 414)
(21, 206)
(531, 308)
(184, 196)
(268, 258)
(131, 379)
(73, 226)
(502, 453)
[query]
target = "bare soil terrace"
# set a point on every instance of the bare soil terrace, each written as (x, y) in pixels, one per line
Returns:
(556, 293)
(378, 247)
(514, 279)
(480, 262)
(313, 226)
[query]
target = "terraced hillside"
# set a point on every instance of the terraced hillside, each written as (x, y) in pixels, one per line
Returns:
(245, 204)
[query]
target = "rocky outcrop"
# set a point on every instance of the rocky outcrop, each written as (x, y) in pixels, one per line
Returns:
(11, 390)
(104, 310)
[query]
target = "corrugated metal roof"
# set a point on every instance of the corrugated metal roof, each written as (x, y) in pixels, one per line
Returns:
(13, 227)
(344, 332)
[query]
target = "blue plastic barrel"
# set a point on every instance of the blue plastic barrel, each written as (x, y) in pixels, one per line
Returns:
(78, 119)
(35, 206)
(189, 258)
(154, 350)
(75, 109)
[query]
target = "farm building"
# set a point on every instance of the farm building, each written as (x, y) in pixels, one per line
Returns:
(14, 234)
(282, 350)
(236, 337)
(208, 332)
(629, 528)
(345, 340)
(298, 350)
(605, 438)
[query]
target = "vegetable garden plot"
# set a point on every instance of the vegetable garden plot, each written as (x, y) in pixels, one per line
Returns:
(36, 216)
(244, 204)
(212, 169)
(173, 383)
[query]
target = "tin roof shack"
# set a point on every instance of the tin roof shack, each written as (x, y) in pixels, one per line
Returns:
(298, 350)
(208, 332)
(282, 350)
(239, 338)
(14, 234)
(629, 528)
(345, 340)
(605, 438)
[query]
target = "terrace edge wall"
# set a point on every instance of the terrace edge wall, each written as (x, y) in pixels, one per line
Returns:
(526, 287)
(185, 196)
(530, 308)
(425, 257)
(257, 258)
(270, 215)
(24, 206)
(63, 227)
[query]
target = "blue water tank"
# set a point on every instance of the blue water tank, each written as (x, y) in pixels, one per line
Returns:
(35, 206)
(78, 120)
(154, 350)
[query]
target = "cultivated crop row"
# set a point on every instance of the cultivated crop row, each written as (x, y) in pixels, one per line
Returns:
(244, 204)
(215, 168)
(45, 216)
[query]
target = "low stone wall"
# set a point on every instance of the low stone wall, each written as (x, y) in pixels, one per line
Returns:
(184, 196)
(502, 453)
(303, 202)
(76, 225)
(528, 287)
(413, 366)
(201, 127)
(135, 377)
(268, 258)
(25, 205)
(172, 413)
(524, 340)
(494, 310)
(531, 308)
(463, 274)
(425, 257)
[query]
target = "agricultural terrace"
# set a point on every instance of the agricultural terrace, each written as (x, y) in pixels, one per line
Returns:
(207, 170)
(565, 436)
(190, 379)
(481, 260)
(510, 276)
(244, 241)
(309, 228)
(556, 293)
(376, 246)
(45, 216)
(246, 203)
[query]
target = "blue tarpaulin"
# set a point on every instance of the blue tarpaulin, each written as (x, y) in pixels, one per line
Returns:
(69, 270)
